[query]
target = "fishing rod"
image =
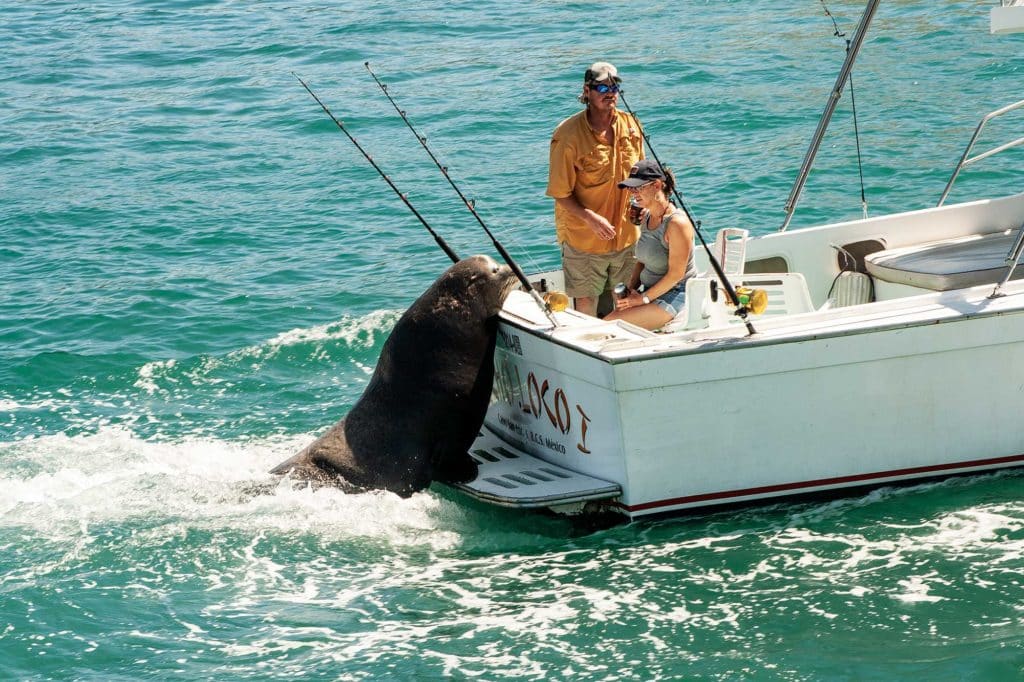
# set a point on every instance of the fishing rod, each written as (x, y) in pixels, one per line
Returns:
(741, 309)
(545, 306)
(440, 242)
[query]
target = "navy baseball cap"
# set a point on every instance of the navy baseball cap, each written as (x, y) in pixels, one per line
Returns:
(643, 172)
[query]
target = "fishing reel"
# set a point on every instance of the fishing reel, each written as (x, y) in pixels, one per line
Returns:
(754, 300)
(556, 300)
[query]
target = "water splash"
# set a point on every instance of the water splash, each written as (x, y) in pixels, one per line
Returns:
(59, 486)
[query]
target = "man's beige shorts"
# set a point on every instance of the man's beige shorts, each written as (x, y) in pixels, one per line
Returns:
(587, 275)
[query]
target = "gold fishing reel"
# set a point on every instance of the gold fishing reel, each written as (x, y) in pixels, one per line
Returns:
(556, 300)
(754, 300)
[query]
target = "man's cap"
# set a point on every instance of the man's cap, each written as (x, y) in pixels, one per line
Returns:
(601, 71)
(643, 172)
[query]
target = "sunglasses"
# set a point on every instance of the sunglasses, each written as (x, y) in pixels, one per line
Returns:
(637, 189)
(605, 89)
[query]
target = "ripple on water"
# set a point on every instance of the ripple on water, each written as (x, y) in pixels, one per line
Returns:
(197, 273)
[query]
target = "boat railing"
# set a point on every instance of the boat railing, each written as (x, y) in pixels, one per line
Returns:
(852, 50)
(1012, 260)
(966, 159)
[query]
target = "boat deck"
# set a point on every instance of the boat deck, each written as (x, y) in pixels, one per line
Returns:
(620, 341)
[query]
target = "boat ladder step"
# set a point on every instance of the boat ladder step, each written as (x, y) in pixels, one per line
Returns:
(510, 477)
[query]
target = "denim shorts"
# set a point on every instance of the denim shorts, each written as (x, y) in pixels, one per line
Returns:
(673, 300)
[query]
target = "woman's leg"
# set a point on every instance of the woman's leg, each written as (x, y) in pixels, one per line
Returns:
(648, 316)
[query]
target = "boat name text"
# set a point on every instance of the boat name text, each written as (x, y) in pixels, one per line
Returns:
(539, 400)
(510, 341)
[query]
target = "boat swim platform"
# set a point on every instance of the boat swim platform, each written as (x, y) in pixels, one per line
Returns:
(509, 477)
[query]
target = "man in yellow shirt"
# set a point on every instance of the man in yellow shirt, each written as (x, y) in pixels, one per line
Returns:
(591, 153)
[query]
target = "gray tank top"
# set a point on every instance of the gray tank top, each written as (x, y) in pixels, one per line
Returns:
(652, 251)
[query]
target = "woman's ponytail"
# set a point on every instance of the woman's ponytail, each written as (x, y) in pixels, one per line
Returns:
(670, 182)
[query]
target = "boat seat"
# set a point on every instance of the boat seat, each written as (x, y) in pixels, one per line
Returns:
(731, 250)
(849, 288)
(704, 307)
(946, 264)
(787, 292)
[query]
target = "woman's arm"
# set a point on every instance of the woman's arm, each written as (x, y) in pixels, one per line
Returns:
(632, 297)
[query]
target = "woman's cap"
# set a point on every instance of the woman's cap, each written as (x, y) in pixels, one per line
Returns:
(601, 71)
(644, 171)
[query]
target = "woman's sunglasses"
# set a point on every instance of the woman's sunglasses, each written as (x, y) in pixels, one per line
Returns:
(605, 89)
(640, 187)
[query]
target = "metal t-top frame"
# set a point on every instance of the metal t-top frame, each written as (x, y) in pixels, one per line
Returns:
(830, 107)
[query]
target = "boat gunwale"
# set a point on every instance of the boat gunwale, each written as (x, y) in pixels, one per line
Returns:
(731, 342)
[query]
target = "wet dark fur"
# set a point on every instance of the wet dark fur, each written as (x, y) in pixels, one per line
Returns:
(426, 401)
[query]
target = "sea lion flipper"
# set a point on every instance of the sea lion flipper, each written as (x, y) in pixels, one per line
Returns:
(289, 465)
(453, 465)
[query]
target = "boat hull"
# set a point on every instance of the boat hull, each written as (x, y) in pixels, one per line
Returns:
(746, 420)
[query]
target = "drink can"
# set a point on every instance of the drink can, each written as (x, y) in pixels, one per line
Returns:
(635, 212)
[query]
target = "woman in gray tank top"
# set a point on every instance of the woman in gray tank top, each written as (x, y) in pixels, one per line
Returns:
(664, 253)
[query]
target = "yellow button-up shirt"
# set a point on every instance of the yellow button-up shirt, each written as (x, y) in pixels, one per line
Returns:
(581, 166)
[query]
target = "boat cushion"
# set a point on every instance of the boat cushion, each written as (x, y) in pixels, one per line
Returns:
(947, 264)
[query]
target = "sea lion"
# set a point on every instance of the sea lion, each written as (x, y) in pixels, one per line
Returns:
(427, 398)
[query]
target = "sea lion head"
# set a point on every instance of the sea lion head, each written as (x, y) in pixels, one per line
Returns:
(481, 281)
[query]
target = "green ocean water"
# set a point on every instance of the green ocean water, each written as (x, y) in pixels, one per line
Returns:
(198, 271)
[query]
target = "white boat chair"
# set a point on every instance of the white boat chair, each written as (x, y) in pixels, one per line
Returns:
(849, 288)
(731, 250)
(787, 295)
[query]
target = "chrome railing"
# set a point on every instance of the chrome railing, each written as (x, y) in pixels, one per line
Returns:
(852, 50)
(1012, 260)
(965, 161)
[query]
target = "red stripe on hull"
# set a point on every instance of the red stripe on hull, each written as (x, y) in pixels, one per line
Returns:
(784, 487)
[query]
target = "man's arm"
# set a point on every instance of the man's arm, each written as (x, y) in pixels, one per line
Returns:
(562, 180)
(601, 227)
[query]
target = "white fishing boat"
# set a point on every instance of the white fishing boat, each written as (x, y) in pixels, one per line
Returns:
(1008, 17)
(890, 351)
